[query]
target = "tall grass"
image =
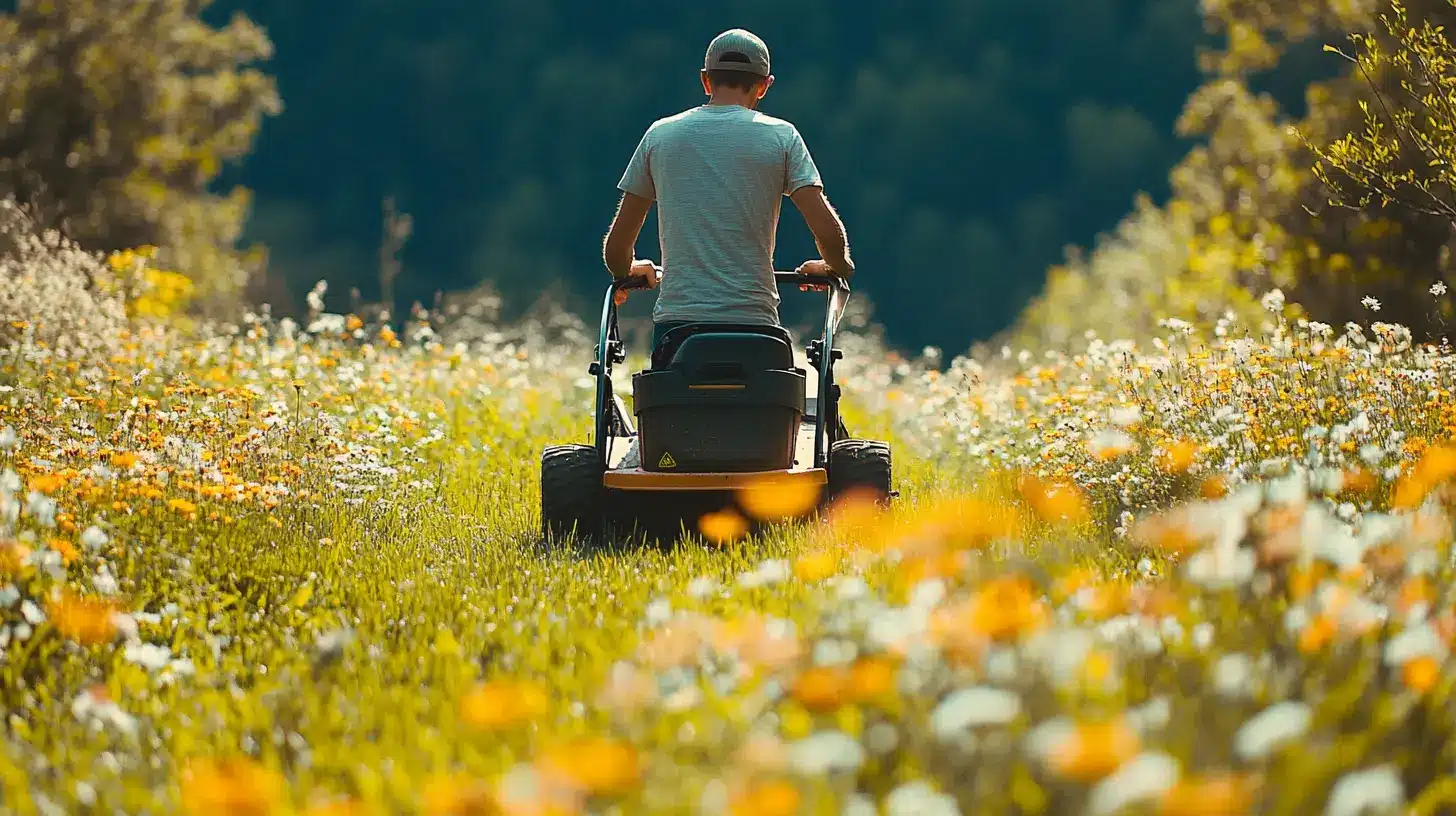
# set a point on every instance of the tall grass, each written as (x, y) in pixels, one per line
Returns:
(281, 568)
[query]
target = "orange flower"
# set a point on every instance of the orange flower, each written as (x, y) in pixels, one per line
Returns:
(872, 679)
(65, 548)
(47, 483)
(457, 795)
(722, 526)
(1005, 608)
(1214, 487)
(1055, 502)
(1359, 481)
(502, 704)
(965, 524)
(1436, 466)
(774, 798)
(182, 507)
(1094, 749)
(1317, 634)
(594, 765)
(1165, 532)
(1421, 673)
(1108, 600)
(1215, 794)
(123, 460)
(231, 787)
(86, 621)
(855, 509)
(1179, 456)
(771, 498)
(338, 807)
(820, 688)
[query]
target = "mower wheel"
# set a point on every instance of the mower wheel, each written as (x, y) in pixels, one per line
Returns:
(860, 465)
(571, 491)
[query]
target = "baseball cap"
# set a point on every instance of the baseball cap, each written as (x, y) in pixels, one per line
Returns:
(737, 50)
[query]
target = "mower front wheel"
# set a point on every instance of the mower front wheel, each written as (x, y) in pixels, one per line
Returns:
(860, 465)
(571, 492)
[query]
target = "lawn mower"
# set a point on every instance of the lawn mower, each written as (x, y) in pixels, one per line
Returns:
(721, 408)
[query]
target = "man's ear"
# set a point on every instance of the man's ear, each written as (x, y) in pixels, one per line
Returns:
(767, 83)
(707, 83)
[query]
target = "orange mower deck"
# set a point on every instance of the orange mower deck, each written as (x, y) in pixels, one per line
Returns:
(639, 479)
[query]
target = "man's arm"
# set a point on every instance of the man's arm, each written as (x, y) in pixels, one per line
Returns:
(828, 229)
(618, 250)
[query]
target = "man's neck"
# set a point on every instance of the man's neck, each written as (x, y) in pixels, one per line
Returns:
(726, 100)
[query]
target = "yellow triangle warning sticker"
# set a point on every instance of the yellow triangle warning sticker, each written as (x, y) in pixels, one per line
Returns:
(666, 461)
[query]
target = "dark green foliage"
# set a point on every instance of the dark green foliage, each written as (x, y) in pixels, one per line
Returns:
(965, 143)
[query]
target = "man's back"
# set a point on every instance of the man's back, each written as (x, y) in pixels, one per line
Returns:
(719, 174)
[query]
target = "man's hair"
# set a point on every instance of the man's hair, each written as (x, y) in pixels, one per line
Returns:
(742, 80)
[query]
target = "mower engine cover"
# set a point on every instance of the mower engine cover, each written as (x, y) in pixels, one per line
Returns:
(730, 401)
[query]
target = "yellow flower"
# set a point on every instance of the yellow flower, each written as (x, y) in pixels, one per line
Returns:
(12, 558)
(815, 566)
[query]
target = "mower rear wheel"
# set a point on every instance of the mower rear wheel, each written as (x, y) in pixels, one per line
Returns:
(860, 465)
(571, 492)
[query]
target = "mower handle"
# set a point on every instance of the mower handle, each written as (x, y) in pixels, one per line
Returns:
(780, 276)
(838, 289)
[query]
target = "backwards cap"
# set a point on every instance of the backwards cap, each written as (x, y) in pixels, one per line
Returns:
(737, 50)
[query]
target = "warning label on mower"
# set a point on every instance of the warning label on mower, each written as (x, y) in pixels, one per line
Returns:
(666, 461)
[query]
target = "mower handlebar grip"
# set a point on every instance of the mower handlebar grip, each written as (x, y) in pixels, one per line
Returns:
(780, 275)
(783, 276)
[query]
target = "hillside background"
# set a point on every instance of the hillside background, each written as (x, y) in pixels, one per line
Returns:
(1025, 172)
(966, 144)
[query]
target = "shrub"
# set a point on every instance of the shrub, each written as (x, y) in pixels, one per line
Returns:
(121, 116)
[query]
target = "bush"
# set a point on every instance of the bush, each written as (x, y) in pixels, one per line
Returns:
(53, 290)
(1250, 209)
(122, 116)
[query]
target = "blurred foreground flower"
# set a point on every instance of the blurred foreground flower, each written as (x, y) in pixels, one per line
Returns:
(231, 787)
(770, 498)
(86, 621)
(598, 766)
(722, 526)
(501, 704)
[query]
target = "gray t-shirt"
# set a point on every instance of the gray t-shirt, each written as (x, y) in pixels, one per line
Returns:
(719, 174)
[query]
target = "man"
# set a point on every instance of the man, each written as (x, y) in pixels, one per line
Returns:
(719, 173)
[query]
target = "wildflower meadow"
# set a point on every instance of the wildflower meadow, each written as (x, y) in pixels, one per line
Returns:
(294, 567)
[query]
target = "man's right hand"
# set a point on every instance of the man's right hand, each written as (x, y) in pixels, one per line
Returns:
(818, 268)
